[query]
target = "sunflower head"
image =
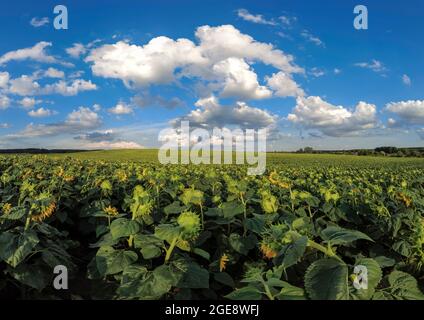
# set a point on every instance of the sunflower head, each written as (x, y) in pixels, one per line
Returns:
(190, 224)
(223, 262)
(7, 207)
(111, 211)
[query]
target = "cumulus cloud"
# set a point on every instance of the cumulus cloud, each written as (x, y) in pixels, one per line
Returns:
(36, 53)
(24, 86)
(283, 85)
(4, 79)
(374, 65)
(255, 18)
(335, 121)
(39, 22)
(76, 50)
(210, 114)
(120, 144)
(69, 89)
(4, 102)
(79, 120)
(54, 73)
(223, 54)
(239, 80)
(409, 112)
(120, 109)
(97, 136)
(28, 102)
(41, 113)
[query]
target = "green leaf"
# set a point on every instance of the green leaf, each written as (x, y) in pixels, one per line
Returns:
(245, 293)
(111, 261)
(339, 236)
(374, 275)
(404, 286)
(151, 246)
(15, 248)
(195, 277)
(232, 209)
(123, 228)
(30, 275)
(242, 244)
(167, 232)
(224, 278)
(202, 253)
(292, 253)
(327, 279)
(174, 208)
(385, 261)
(289, 292)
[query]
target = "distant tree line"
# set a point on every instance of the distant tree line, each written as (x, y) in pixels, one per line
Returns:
(380, 151)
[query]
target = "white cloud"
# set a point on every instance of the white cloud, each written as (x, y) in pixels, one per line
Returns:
(406, 80)
(420, 132)
(284, 85)
(239, 80)
(337, 71)
(287, 21)
(76, 50)
(40, 113)
(36, 53)
(311, 38)
(69, 89)
(121, 108)
(39, 22)
(54, 73)
(409, 112)
(121, 144)
(28, 102)
(374, 65)
(24, 86)
(210, 114)
(4, 102)
(164, 60)
(4, 79)
(317, 72)
(77, 121)
(255, 18)
(4, 125)
(315, 113)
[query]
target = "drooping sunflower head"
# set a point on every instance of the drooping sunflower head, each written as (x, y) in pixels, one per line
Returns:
(190, 224)
(268, 249)
(7, 207)
(223, 262)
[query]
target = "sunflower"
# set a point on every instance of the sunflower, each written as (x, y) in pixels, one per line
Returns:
(112, 211)
(46, 213)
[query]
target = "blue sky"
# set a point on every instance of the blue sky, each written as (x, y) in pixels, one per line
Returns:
(124, 70)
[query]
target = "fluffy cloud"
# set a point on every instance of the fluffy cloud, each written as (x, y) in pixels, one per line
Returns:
(24, 85)
(69, 89)
(120, 144)
(4, 125)
(36, 53)
(4, 102)
(409, 112)
(39, 22)
(239, 80)
(97, 136)
(223, 54)
(4, 79)
(77, 121)
(258, 18)
(76, 50)
(28, 102)
(210, 114)
(315, 113)
(283, 85)
(40, 113)
(120, 109)
(54, 73)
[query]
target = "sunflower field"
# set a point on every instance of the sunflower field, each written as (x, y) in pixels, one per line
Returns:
(139, 230)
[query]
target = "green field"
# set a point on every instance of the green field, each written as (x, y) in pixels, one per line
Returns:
(127, 227)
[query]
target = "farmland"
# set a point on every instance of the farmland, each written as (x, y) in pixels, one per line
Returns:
(127, 227)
